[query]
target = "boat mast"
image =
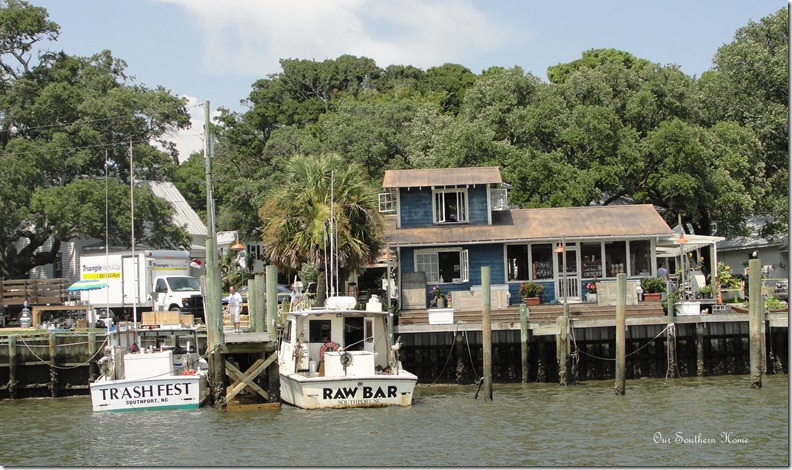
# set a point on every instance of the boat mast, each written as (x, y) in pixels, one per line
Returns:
(132, 232)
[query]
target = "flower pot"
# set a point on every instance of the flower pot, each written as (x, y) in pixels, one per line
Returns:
(591, 297)
(652, 296)
(531, 300)
(441, 303)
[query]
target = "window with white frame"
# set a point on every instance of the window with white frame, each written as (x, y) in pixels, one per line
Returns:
(444, 265)
(387, 202)
(450, 206)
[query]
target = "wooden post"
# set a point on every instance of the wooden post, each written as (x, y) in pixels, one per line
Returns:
(272, 299)
(213, 308)
(53, 358)
(621, 326)
(524, 341)
(12, 366)
(541, 368)
(486, 330)
(261, 305)
(252, 301)
(700, 349)
(670, 334)
(459, 350)
(562, 349)
(755, 307)
(92, 356)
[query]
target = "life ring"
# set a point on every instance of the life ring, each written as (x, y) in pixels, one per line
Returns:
(328, 346)
(190, 372)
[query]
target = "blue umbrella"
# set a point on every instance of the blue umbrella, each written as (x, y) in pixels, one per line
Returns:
(87, 284)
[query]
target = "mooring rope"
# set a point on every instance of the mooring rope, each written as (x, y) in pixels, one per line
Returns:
(578, 350)
(450, 353)
(83, 364)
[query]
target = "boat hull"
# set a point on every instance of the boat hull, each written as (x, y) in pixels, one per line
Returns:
(161, 393)
(347, 392)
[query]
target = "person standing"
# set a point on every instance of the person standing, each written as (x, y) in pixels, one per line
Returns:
(296, 298)
(235, 308)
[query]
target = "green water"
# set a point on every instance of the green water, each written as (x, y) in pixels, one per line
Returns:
(711, 421)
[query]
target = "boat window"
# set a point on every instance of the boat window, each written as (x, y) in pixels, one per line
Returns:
(287, 332)
(319, 331)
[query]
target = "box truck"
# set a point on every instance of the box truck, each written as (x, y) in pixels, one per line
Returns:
(148, 280)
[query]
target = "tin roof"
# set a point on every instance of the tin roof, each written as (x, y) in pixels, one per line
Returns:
(183, 214)
(515, 225)
(441, 177)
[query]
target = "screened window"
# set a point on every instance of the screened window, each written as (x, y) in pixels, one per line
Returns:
(542, 261)
(443, 266)
(517, 262)
(591, 259)
(450, 206)
(639, 258)
(615, 257)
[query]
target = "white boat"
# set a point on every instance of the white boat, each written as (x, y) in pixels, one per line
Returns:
(338, 357)
(164, 373)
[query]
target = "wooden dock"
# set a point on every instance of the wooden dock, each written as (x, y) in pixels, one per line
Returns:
(542, 318)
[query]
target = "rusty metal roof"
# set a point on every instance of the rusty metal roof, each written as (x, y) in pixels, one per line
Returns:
(441, 177)
(515, 225)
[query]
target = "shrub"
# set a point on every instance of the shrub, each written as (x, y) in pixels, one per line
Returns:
(653, 285)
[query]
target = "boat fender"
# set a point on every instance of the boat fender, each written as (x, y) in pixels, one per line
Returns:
(328, 346)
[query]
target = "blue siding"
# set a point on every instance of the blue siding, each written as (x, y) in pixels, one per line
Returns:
(478, 256)
(416, 206)
(478, 205)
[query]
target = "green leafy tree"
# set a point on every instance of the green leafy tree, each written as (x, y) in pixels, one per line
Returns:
(297, 218)
(750, 84)
(61, 119)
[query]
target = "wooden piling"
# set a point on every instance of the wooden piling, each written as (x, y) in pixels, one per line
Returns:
(459, 353)
(621, 359)
(672, 371)
(12, 366)
(486, 329)
(252, 300)
(524, 338)
(53, 360)
(92, 357)
(261, 306)
(271, 272)
(755, 308)
(562, 350)
(700, 349)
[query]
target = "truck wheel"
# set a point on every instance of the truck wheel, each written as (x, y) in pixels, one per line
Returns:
(174, 308)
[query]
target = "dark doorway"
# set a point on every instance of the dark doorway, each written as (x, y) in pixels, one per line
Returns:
(353, 334)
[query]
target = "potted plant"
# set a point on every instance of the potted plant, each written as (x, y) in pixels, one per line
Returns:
(652, 287)
(531, 292)
(591, 291)
(438, 297)
(705, 291)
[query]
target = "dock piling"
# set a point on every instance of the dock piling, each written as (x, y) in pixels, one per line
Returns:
(486, 329)
(562, 349)
(524, 338)
(755, 320)
(12, 366)
(621, 361)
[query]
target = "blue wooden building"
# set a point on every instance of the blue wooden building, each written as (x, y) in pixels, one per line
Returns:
(445, 224)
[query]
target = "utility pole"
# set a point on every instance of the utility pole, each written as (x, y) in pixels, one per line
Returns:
(212, 305)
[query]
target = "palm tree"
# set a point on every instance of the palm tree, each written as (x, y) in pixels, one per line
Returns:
(297, 218)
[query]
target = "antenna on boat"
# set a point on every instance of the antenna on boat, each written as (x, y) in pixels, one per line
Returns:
(132, 231)
(107, 251)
